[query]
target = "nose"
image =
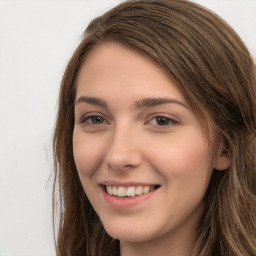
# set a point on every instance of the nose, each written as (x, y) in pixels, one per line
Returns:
(124, 151)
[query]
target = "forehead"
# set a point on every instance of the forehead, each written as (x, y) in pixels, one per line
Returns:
(113, 67)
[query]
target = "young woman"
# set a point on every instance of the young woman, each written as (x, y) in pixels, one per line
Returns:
(155, 136)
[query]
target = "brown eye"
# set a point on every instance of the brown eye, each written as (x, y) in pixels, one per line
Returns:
(162, 121)
(95, 120)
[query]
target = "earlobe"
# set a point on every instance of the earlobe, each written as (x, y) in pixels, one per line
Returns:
(222, 159)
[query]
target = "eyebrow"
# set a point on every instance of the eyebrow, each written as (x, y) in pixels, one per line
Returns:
(143, 103)
(151, 102)
(92, 100)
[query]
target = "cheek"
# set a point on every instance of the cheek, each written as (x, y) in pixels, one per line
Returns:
(184, 156)
(185, 164)
(87, 153)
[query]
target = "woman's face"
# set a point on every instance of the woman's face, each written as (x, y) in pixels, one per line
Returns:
(136, 137)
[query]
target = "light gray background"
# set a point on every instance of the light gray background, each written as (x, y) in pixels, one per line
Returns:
(36, 40)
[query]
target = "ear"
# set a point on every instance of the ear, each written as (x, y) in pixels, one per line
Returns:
(222, 158)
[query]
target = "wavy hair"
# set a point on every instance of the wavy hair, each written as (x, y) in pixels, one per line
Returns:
(216, 74)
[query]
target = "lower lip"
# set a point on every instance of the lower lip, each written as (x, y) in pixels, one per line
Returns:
(126, 202)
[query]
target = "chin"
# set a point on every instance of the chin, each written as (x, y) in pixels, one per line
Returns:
(129, 236)
(130, 233)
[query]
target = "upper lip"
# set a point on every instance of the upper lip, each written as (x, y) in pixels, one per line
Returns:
(126, 184)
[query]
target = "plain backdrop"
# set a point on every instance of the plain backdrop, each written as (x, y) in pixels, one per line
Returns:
(37, 38)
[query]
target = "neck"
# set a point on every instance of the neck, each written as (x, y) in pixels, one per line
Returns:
(177, 242)
(171, 244)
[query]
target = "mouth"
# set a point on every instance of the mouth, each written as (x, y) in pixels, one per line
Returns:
(130, 191)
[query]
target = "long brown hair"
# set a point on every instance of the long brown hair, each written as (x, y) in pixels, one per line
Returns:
(216, 75)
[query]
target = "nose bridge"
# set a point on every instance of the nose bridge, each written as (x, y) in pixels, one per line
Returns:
(124, 148)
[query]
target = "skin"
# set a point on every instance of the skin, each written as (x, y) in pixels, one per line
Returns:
(125, 142)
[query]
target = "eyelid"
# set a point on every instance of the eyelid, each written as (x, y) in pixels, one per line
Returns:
(92, 114)
(174, 120)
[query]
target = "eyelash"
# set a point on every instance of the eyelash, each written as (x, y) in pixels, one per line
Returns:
(85, 119)
(171, 121)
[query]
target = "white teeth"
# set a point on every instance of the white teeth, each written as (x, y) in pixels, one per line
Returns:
(109, 190)
(114, 191)
(129, 191)
(138, 191)
(121, 191)
(145, 189)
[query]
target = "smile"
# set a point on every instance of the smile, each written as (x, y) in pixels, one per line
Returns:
(123, 196)
(131, 191)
